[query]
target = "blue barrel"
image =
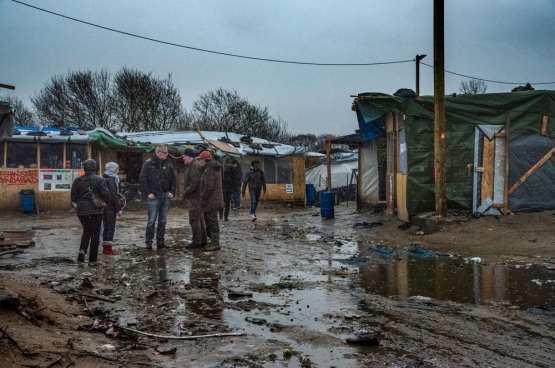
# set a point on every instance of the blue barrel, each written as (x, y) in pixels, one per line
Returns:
(27, 200)
(310, 193)
(327, 200)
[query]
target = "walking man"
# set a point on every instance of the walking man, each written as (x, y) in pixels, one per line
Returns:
(256, 182)
(192, 195)
(211, 197)
(237, 174)
(227, 186)
(157, 180)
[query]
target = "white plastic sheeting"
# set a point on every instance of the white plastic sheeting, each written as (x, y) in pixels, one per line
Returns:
(340, 175)
(369, 191)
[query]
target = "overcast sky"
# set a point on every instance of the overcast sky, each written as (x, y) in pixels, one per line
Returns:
(501, 40)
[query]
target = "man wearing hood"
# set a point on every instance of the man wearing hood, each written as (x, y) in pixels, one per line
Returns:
(90, 216)
(157, 180)
(211, 197)
(192, 195)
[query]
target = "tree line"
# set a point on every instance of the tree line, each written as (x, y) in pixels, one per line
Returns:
(133, 101)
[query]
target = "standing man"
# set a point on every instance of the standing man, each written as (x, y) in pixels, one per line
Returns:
(256, 183)
(237, 174)
(211, 197)
(227, 186)
(158, 184)
(192, 195)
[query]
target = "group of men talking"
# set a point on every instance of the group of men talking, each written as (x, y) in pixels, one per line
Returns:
(209, 190)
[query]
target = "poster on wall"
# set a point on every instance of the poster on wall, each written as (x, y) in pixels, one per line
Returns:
(55, 180)
(289, 188)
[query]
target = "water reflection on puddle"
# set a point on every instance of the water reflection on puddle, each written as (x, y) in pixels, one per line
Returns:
(459, 280)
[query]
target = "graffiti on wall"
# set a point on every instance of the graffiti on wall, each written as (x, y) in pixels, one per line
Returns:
(19, 177)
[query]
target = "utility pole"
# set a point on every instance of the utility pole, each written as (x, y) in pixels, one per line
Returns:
(6, 86)
(417, 59)
(439, 110)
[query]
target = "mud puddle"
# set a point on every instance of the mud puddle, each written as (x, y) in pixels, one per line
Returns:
(459, 280)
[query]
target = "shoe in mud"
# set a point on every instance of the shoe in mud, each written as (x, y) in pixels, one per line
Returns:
(161, 245)
(81, 257)
(148, 245)
(94, 264)
(212, 248)
(194, 246)
(253, 217)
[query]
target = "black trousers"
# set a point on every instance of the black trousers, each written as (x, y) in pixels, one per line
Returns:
(91, 235)
(109, 219)
(227, 201)
(211, 220)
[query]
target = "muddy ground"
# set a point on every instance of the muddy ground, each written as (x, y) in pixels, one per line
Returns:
(359, 290)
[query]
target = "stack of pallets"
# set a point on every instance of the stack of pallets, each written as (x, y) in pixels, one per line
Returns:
(10, 239)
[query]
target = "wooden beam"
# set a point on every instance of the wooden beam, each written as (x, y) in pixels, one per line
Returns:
(506, 184)
(545, 119)
(6, 86)
(532, 170)
(328, 179)
(488, 164)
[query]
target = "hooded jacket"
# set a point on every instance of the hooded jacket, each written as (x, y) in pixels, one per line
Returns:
(255, 181)
(157, 177)
(211, 193)
(82, 195)
(192, 184)
(113, 204)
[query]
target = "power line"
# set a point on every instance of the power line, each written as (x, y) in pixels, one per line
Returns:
(258, 58)
(488, 80)
(209, 51)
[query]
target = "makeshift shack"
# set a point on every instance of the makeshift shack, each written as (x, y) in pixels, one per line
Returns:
(484, 173)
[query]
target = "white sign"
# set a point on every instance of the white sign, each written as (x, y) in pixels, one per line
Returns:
(289, 188)
(55, 180)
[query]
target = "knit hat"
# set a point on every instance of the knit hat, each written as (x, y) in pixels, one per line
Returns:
(111, 166)
(205, 155)
(190, 152)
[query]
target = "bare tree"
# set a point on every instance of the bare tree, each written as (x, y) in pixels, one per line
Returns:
(144, 102)
(223, 110)
(82, 98)
(22, 114)
(473, 87)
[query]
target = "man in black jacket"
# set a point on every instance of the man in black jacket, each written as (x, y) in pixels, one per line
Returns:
(158, 181)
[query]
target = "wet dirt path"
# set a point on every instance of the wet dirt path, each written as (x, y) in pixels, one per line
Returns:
(294, 280)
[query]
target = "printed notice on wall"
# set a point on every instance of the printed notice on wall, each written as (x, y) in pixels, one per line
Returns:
(289, 188)
(55, 180)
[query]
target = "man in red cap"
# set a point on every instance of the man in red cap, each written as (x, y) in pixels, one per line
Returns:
(211, 197)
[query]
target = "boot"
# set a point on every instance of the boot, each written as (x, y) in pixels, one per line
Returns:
(214, 242)
(107, 248)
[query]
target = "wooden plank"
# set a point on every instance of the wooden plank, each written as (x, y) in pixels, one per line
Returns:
(488, 160)
(498, 205)
(223, 146)
(499, 135)
(506, 176)
(545, 119)
(532, 170)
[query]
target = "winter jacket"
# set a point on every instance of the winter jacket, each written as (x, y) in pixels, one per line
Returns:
(113, 204)
(211, 193)
(157, 177)
(228, 179)
(255, 180)
(192, 184)
(237, 174)
(82, 195)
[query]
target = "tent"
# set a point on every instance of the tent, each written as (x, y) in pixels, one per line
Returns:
(483, 171)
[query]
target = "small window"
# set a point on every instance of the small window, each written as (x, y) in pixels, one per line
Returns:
(283, 171)
(76, 154)
(270, 170)
(51, 156)
(22, 155)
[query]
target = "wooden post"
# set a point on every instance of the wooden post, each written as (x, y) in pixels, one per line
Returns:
(439, 111)
(506, 186)
(328, 155)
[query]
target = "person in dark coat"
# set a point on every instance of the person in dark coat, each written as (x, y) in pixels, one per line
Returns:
(192, 195)
(227, 186)
(236, 185)
(90, 216)
(158, 182)
(112, 209)
(256, 182)
(211, 197)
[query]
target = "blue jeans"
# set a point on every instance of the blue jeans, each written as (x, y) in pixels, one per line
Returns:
(236, 197)
(157, 207)
(255, 197)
